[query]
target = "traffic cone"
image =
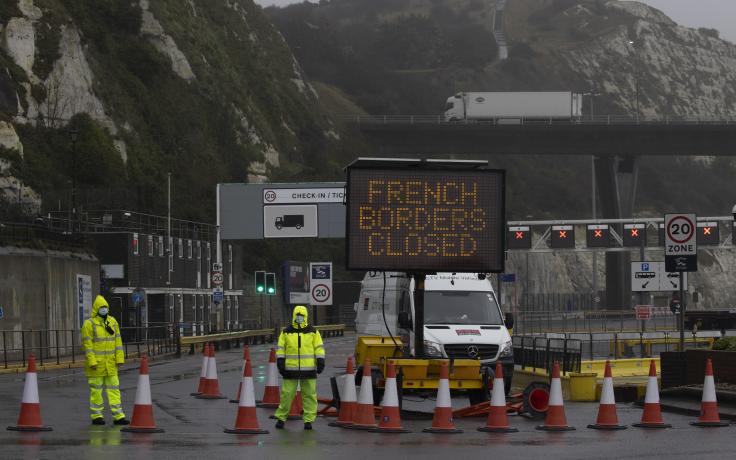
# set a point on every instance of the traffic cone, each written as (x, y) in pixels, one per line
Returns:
(203, 372)
(556, 420)
(246, 358)
(498, 420)
(442, 420)
(652, 416)
(271, 396)
(607, 417)
(211, 388)
(142, 421)
(348, 400)
(390, 420)
(30, 406)
(709, 406)
(364, 417)
(246, 421)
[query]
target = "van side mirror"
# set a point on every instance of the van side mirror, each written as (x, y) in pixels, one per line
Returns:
(509, 321)
(405, 320)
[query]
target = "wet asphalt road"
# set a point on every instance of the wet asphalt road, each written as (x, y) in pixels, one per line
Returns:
(194, 427)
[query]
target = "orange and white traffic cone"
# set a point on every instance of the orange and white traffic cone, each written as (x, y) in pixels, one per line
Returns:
(349, 399)
(442, 419)
(271, 396)
(607, 416)
(246, 421)
(30, 406)
(498, 420)
(652, 416)
(390, 419)
(203, 372)
(556, 420)
(211, 388)
(709, 406)
(364, 417)
(246, 358)
(142, 421)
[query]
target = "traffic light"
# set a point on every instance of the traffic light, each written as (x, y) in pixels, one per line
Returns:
(563, 237)
(260, 282)
(270, 284)
(708, 234)
(598, 236)
(635, 235)
(519, 238)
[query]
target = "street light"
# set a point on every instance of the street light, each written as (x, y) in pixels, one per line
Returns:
(632, 43)
(74, 135)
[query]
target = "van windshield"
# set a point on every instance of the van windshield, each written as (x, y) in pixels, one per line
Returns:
(460, 307)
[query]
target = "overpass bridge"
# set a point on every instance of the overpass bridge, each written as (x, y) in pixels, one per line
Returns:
(615, 142)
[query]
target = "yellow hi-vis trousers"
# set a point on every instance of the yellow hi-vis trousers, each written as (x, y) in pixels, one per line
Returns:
(96, 404)
(309, 398)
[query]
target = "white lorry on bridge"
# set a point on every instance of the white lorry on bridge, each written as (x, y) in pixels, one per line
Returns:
(513, 107)
(462, 318)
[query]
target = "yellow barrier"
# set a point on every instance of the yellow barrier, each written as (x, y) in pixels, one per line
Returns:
(575, 386)
(623, 346)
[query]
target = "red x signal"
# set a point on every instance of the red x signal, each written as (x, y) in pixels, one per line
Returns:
(519, 235)
(598, 234)
(706, 230)
(563, 233)
(635, 233)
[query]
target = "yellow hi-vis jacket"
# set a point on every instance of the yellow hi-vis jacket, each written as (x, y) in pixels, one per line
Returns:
(101, 348)
(299, 348)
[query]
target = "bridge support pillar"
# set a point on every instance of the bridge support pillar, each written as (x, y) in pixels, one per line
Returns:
(616, 180)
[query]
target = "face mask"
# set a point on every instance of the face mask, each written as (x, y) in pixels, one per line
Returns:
(102, 311)
(299, 319)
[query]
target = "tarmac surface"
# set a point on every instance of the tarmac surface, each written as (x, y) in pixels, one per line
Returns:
(194, 427)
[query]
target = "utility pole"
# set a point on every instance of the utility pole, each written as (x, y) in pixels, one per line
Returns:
(169, 241)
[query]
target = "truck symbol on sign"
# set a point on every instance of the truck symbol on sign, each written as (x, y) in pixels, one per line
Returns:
(290, 220)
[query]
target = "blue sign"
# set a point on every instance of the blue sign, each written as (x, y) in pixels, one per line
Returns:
(321, 272)
(508, 277)
(218, 296)
(2, 313)
(645, 267)
(137, 297)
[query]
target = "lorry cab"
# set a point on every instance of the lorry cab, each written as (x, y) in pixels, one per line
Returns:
(455, 108)
(462, 316)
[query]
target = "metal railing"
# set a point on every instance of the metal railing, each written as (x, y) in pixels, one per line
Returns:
(13, 232)
(628, 345)
(541, 353)
(57, 346)
(511, 120)
(590, 321)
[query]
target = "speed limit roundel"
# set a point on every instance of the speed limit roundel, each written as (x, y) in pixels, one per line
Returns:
(680, 229)
(320, 293)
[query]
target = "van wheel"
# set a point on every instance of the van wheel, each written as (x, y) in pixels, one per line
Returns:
(376, 374)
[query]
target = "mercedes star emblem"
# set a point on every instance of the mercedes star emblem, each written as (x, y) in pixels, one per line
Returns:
(473, 351)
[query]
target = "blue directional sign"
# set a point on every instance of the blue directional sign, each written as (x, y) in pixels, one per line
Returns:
(218, 296)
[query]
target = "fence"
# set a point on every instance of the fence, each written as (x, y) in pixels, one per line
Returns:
(591, 321)
(52, 346)
(625, 345)
(542, 352)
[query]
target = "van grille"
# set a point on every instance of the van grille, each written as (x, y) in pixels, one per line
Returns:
(460, 351)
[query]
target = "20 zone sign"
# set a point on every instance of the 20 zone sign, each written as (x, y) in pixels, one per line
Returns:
(680, 234)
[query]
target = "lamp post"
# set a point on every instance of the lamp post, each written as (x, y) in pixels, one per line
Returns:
(74, 135)
(632, 43)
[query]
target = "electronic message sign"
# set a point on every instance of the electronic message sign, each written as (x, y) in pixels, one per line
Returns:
(425, 220)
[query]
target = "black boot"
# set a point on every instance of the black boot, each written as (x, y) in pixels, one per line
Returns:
(307, 425)
(280, 425)
(98, 421)
(122, 421)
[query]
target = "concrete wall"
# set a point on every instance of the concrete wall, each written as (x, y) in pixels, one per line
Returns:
(38, 292)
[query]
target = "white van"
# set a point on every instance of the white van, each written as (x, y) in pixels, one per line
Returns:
(462, 317)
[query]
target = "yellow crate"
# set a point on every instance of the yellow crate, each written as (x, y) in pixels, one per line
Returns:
(413, 369)
(377, 349)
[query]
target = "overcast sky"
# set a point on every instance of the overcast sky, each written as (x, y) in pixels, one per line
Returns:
(716, 14)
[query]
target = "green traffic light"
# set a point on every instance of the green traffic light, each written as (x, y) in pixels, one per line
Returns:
(271, 290)
(259, 288)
